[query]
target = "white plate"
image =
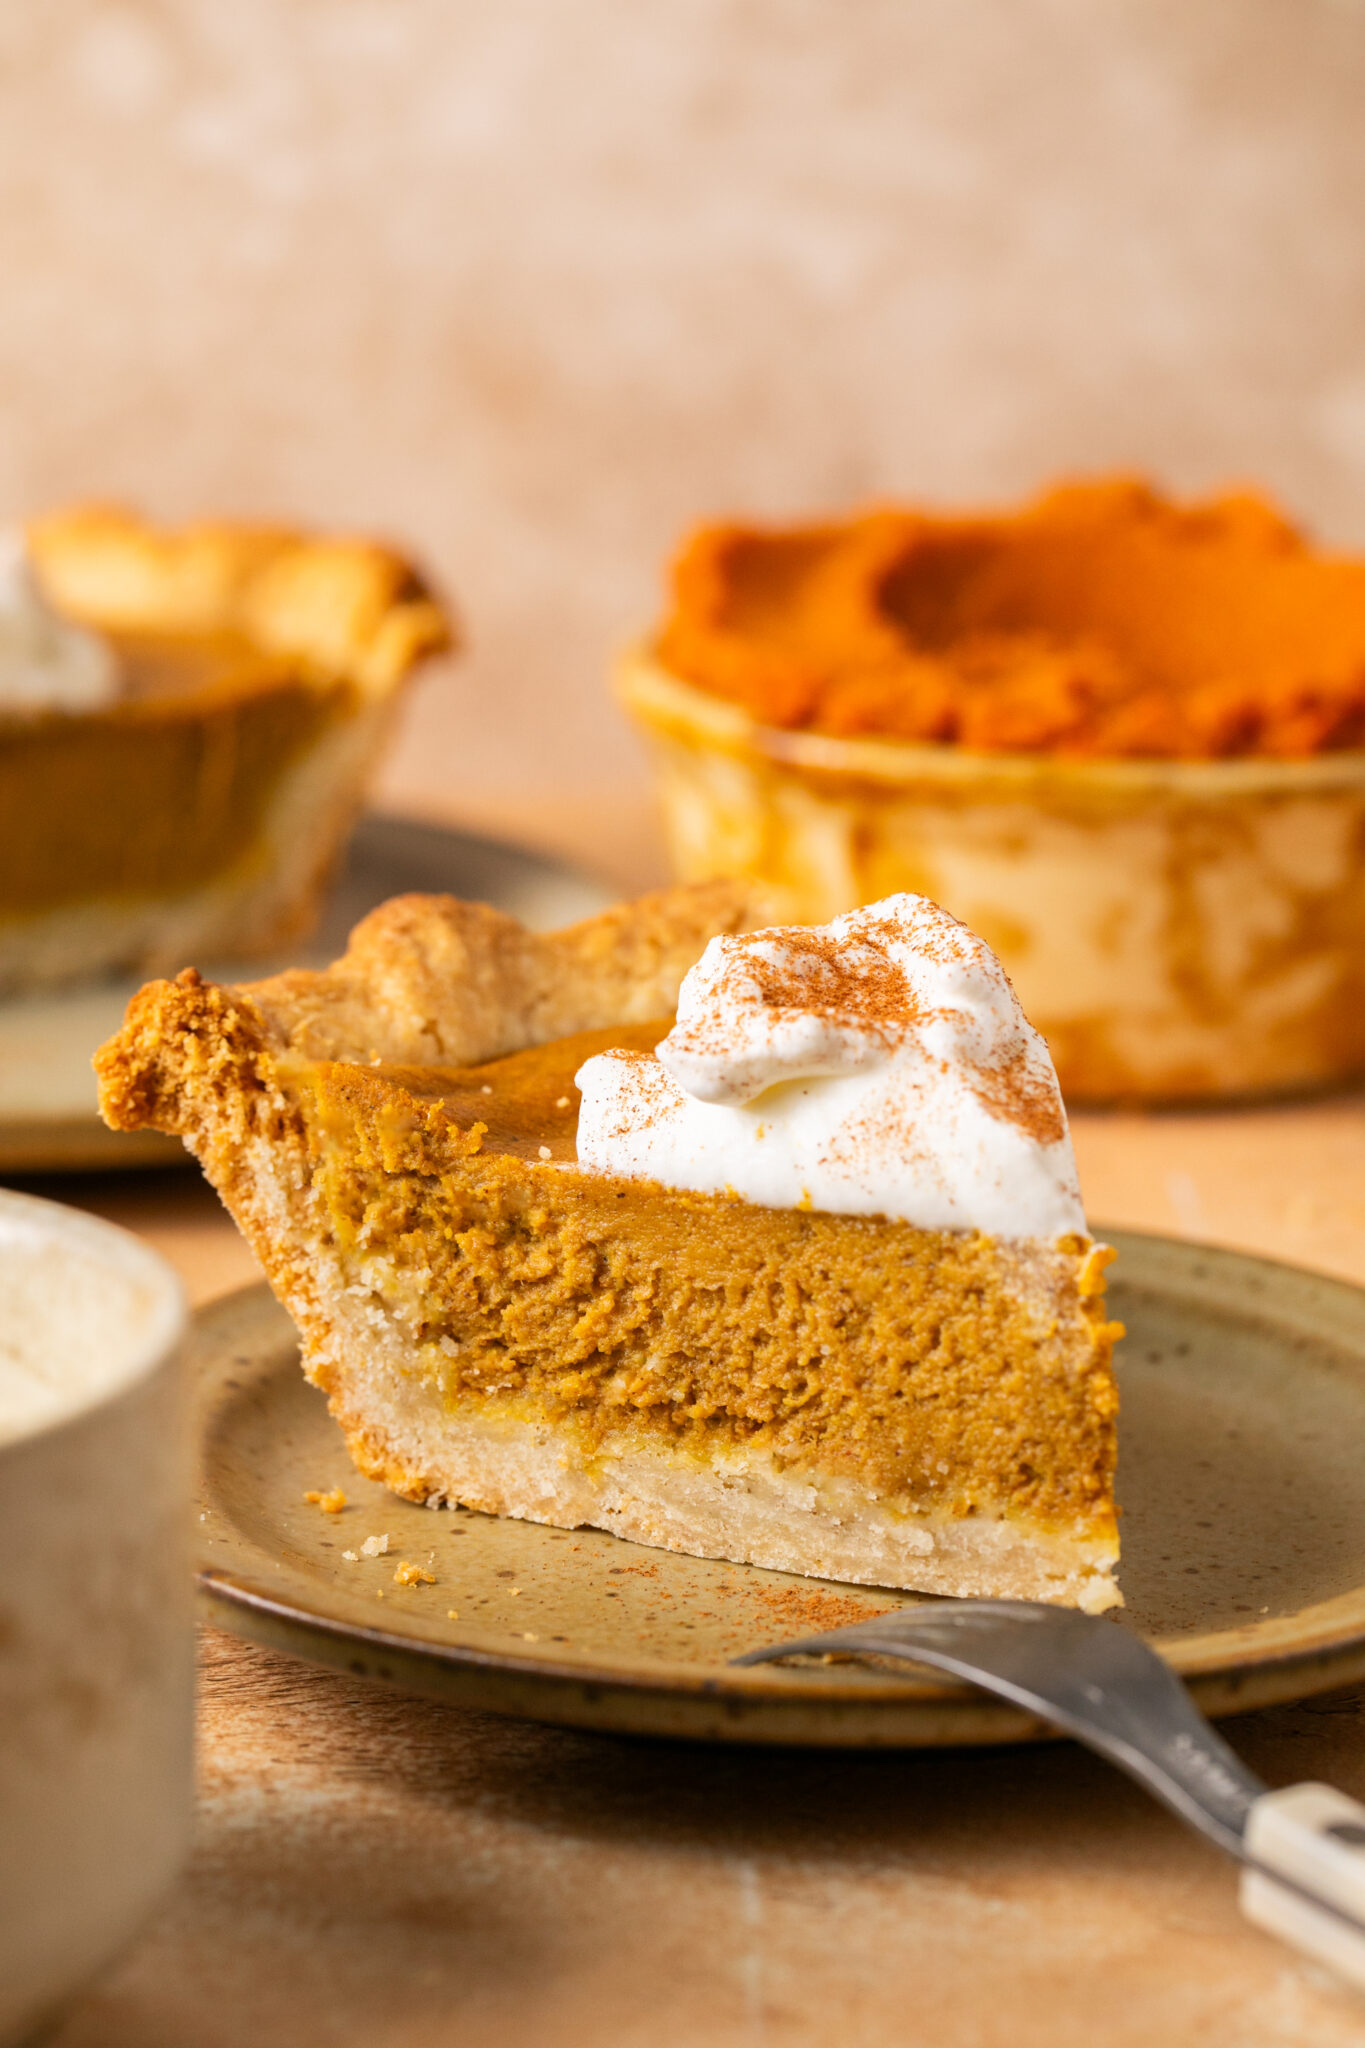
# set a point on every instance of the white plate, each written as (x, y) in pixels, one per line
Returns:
(48, 1118)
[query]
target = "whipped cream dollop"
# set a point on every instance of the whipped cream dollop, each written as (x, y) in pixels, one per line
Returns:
(46, 662)
(879, 1065)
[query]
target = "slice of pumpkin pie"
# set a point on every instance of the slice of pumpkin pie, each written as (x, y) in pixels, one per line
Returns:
(800, 1278)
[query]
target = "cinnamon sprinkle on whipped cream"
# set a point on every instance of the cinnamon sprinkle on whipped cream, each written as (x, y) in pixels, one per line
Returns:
(877, 1065)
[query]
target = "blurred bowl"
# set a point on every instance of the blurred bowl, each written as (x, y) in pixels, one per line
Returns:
(1177, 930)
(96, 1626)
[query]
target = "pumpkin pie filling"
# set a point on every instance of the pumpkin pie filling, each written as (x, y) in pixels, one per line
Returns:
(190, 759)
(900, 1359)
(498, 1325)
(1101, 622)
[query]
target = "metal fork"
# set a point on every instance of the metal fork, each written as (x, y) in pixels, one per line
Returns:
(1302, 1849)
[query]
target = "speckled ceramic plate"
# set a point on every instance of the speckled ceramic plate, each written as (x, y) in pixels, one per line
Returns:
(48, 1119)
(1242, 1481)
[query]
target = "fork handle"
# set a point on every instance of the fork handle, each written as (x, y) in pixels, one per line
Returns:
(1304, 1875)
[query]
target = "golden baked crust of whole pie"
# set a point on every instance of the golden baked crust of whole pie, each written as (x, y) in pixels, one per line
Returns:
(840, 1395)
(201, 809)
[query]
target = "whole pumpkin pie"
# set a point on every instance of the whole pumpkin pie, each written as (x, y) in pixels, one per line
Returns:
(759, 1245)
(187, 721)
(1122, 737)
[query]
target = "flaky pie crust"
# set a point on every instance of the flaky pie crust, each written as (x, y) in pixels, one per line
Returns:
(425, 980)
(346, 607)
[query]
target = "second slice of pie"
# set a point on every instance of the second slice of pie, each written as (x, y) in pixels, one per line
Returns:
(801, 1279)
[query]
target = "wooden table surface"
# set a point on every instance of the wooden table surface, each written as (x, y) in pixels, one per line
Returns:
(375, 1870)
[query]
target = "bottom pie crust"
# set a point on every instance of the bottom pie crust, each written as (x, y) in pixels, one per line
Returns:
(741, 1507)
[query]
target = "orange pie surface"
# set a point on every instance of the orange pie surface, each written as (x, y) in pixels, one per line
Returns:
(1101, 621)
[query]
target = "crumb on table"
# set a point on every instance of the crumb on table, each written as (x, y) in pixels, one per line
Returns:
(406, 1574)
(331, 1503)
(374, 1546)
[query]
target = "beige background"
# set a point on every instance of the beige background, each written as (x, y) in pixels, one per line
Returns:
(533, 284)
